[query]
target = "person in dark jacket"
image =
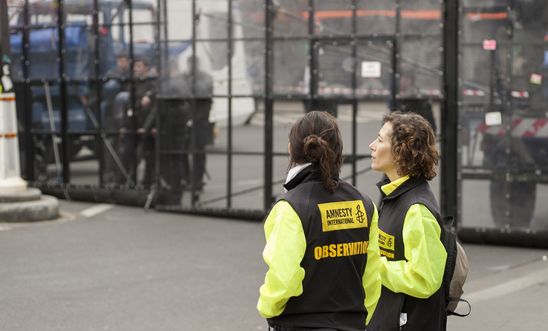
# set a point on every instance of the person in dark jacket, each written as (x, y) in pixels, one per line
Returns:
(116, 93)
(199, 85)
(190, 125)
(412, 254)
(145, 97)
(321, 239)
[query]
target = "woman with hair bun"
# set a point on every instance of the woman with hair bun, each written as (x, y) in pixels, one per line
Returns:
(321, 262)
(413, 256)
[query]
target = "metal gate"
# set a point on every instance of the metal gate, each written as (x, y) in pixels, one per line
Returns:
(186, 105)
(503, 136)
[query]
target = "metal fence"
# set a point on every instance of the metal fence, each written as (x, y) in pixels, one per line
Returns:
(503, 154)
(186, 105)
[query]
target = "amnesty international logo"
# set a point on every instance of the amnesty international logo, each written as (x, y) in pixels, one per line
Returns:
(386, 240)
(386, 244)
(343, 215)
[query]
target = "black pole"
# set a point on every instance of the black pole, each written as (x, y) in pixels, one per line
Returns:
(132, 134)
(63, 92)
(165, 22)
(161, 53)
(27, 102)
(158, 45)
(268, 107)
(195, 21)
(4, 31)
(354, 86)
(229, 62)
(504, 91)
(312, 56)
(396, 57)
(450, 189)
(98, 84)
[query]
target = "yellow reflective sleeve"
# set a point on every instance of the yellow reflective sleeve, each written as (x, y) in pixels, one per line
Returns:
(421, 275)
(371, 277)
(284, 250)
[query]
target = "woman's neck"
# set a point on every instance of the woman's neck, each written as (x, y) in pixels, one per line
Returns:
(393, 175)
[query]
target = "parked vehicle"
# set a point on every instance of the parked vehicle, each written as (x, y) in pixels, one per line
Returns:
(37, 64)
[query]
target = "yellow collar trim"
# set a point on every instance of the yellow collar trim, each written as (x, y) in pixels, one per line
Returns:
(392, 186)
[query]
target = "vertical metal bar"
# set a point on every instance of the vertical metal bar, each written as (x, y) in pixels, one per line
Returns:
(505, 88)
(312, 56)
(492, 79)
(396, 57)
(132, 134)
(510, 59)
(165, 21)
(158, 44)
(229, 62)
(162, 37)
(268, 107)
(354, 86)
(27, 95)
(193, 42)
(63, 92)
(98, 83)
(195, 21)
(449, 114)
(193, 58)
(394, 85)
(4, 31)
(161, 54)
(129, 8)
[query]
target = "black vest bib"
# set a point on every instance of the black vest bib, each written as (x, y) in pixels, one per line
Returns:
(422, 314)
(336, 227)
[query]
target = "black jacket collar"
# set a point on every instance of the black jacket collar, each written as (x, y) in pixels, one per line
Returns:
(310, 173)
(307, 173)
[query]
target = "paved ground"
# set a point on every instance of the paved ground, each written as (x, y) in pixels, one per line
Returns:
(118, 268)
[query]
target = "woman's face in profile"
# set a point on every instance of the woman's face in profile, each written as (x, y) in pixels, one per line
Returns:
(382, 159)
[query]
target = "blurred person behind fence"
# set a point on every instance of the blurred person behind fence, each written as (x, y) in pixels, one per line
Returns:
(145, 97)
(321, 262)
(175, 129)
(116, 93)
(413, 256)
(200, 90)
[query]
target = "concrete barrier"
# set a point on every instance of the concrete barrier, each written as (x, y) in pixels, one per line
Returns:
(17, 202)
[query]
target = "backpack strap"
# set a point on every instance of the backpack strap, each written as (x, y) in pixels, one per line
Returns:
(449, 242)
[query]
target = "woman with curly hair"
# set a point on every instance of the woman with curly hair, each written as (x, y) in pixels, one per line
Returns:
(322, 267)
(412, 254)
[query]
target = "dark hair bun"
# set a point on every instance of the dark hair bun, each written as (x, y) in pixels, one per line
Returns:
(316, 139)
(314, 148)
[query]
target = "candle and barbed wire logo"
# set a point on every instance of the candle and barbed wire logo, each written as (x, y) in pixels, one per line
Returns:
(360, 215)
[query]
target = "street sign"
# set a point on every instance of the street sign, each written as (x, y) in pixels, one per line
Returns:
(371, 69)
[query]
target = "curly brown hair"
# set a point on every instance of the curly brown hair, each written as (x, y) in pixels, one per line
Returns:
(316, 138)
(413, 144)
